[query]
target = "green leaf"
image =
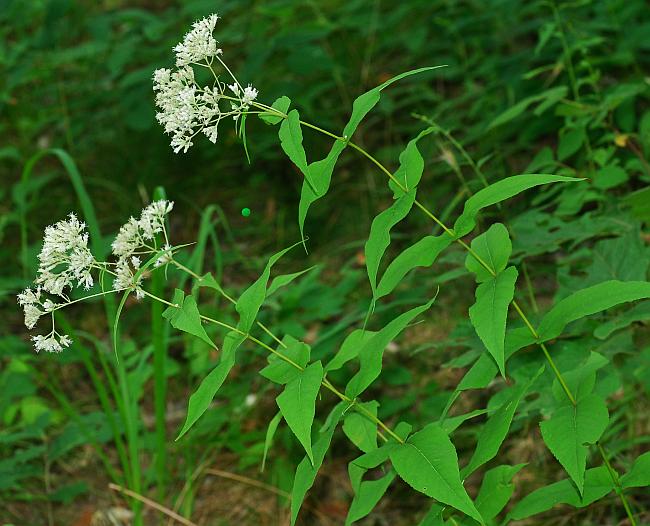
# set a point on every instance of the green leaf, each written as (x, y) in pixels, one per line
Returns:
(379, 237)
(610, 176)
(186, 317)
(582, 379)
(496, 428)
(321, 171)
(490, 312)
(598, 483)
(282, 105)
(427, 462)
(290, 135)
(639, 474)
(570, 143)
(371, 354)
(362, 431)
(298, 403)
(270, 433)
(202, 397)
(640, 312)
(367, 497)
(349, 349)
(496, 490)
(281, 371)
(308, 469)
(421, 254)
(284, 280)
(500, 191)
(247, 306)
(549, 97)
(570, 429)
(494, 248)
(590, 301)
(411, 167)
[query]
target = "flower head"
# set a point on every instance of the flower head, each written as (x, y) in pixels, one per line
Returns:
(198, 44)
(53, 342)
(125, 276)
(187, 108)
(135, 233)
(65, 258)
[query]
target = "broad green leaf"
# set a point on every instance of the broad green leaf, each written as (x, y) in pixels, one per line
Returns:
(321, 171)
(307, 470)
(247, 306)
(639, 474)
(433, 516)
(367, 497)
(421, 254)
(349, 349)
(495, 430)
(186, 317)
(411, 167)
(284, 280)
(500, 191)
(372, 352)
(569, 431)
(496, 490)
(590, 301)
(280, 371)
(494, 248)
(454, 422)
(490, 312)
(290, 135)
(298, 403)
(362, 431)
(570, 143)
(427, 461)
(379, 237)
(270, 433)
(282, 105)
(358, 467)
(598, 483)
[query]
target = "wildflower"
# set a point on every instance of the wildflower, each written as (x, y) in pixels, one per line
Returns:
(125, 276)
(53, 342)
(65, 257)
(165, 258)
(135, 234)
(198, 44)
(187, 108)
(30, 301)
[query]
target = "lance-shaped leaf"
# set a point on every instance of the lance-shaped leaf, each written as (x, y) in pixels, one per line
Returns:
(427, 461)
(282, 371)
(362, 431)
(411, 166)
(496, 490)
(270, 433)
(186, 317)
(500, 191)
(379, 237)
(590, 301)
(321, 171)
(349, 349)
(308, 469)
(598, 483)
(247, 306)
(367, 497)
(490, 312)
(571, 429)
(372, 352)
(282, 105)
(496, 428)
(290, 135)
(421, 254)
(298, 403)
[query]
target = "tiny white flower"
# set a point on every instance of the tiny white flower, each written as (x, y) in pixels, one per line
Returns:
(165, 258)
(198, 44)
(65, 258)
(53, 342)
(250, 400)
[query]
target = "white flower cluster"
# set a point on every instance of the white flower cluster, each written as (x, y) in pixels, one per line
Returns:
(65, 257)
(66, 262)
(136, 237)
(186, 108)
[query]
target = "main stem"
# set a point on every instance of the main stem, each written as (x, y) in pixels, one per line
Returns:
(469, 249)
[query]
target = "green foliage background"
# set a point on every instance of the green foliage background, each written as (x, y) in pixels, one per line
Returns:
(528, 87)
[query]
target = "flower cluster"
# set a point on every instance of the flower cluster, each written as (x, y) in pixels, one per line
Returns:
(65, 257)
(187, 108)
(137, 237)
(65, 262)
